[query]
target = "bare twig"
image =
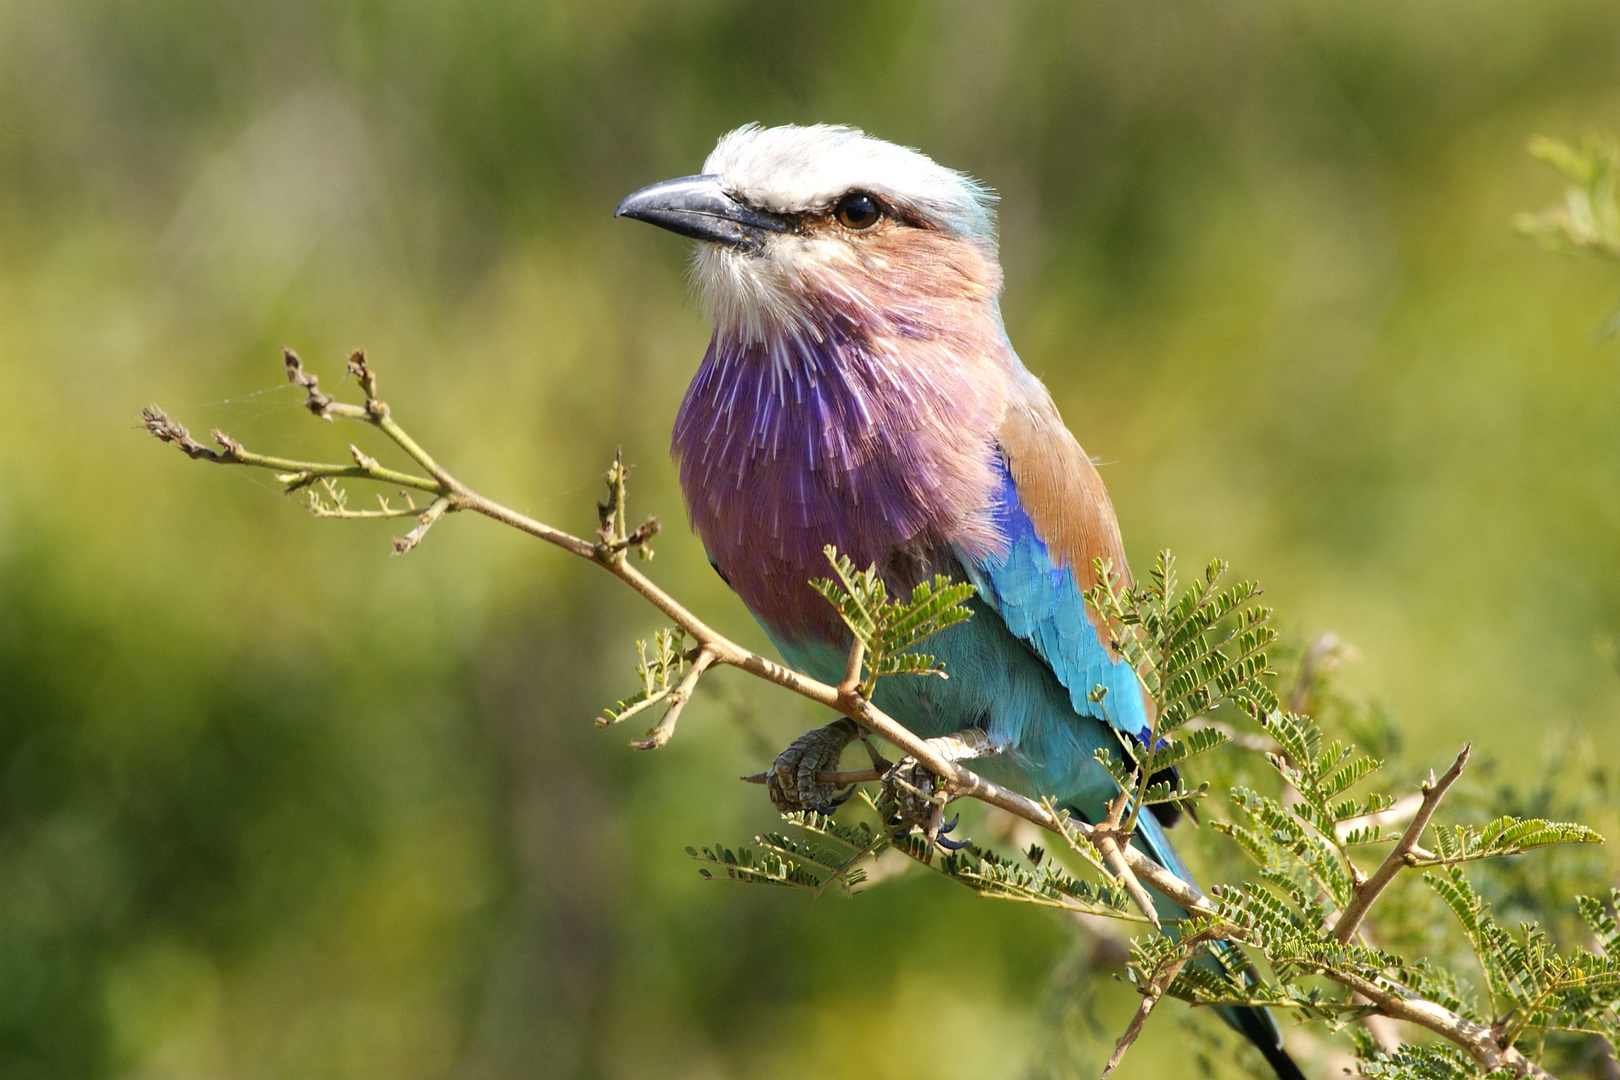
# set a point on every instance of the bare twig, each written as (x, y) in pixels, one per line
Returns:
(1106, 838)
(295, 474)
(1366, 892)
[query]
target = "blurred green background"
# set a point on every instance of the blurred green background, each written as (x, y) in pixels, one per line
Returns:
(275, 804)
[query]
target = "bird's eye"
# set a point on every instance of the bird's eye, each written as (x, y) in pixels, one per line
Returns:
(857, 212)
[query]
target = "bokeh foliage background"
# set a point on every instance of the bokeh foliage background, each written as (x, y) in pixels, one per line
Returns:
(274, 804)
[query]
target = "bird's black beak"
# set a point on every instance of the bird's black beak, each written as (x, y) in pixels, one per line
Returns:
(698, 207)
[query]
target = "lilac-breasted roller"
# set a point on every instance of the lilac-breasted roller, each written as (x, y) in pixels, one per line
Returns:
(860, 390)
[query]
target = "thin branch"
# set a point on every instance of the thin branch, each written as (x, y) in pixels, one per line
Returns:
(1477, 1039)
(295, 474)
(677, 698)
(424, 521)
(1106, 839)
(642, 706)
(1151, 996)
(852, 667)
(1362, 899)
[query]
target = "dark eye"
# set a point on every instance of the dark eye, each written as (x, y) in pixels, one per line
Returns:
(857, 212)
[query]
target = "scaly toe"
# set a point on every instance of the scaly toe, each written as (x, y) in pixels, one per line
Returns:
(908, 789)
(791, 780)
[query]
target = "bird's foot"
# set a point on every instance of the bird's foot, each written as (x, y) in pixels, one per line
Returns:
(913, 795)
(791, 779)
(910, 795)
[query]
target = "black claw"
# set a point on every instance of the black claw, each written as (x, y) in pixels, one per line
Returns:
(826, 809)
(952, 845)
(949, 825)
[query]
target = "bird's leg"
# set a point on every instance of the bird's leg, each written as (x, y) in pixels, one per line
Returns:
(911, 791)
(791, 779)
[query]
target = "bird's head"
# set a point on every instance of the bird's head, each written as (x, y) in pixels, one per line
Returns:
(803, 228)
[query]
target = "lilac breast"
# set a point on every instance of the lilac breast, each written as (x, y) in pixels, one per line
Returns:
(881, 447)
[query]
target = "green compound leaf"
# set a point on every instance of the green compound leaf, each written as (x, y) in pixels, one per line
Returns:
(889, 632)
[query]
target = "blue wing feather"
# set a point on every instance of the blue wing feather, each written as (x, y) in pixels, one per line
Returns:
(1041, 603)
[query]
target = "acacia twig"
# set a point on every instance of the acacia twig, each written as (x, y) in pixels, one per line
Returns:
(959, 782)
(1366, 892)
(677, 699)
(1152, 994)
(1106, 838)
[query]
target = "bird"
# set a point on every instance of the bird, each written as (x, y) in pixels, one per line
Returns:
(859, 389)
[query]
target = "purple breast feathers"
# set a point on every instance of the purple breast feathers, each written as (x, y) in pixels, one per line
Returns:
(880, 444)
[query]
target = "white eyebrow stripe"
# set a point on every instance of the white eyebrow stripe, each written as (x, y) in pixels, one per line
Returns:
(794, 169)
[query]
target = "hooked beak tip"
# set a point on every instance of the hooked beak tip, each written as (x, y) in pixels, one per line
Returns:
(700, 208)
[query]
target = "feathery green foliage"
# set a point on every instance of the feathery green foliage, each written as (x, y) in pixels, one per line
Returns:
(830, 854)
(890, 632)
(1430, 1062)
(1587, 219)
(1504, 836)
(1314, 842)
(1194, 651)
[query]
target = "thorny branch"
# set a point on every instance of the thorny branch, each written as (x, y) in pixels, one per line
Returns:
(614, 539)
(1405, 849)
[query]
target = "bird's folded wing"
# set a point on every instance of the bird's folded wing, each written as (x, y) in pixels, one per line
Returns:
(1055, 515)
